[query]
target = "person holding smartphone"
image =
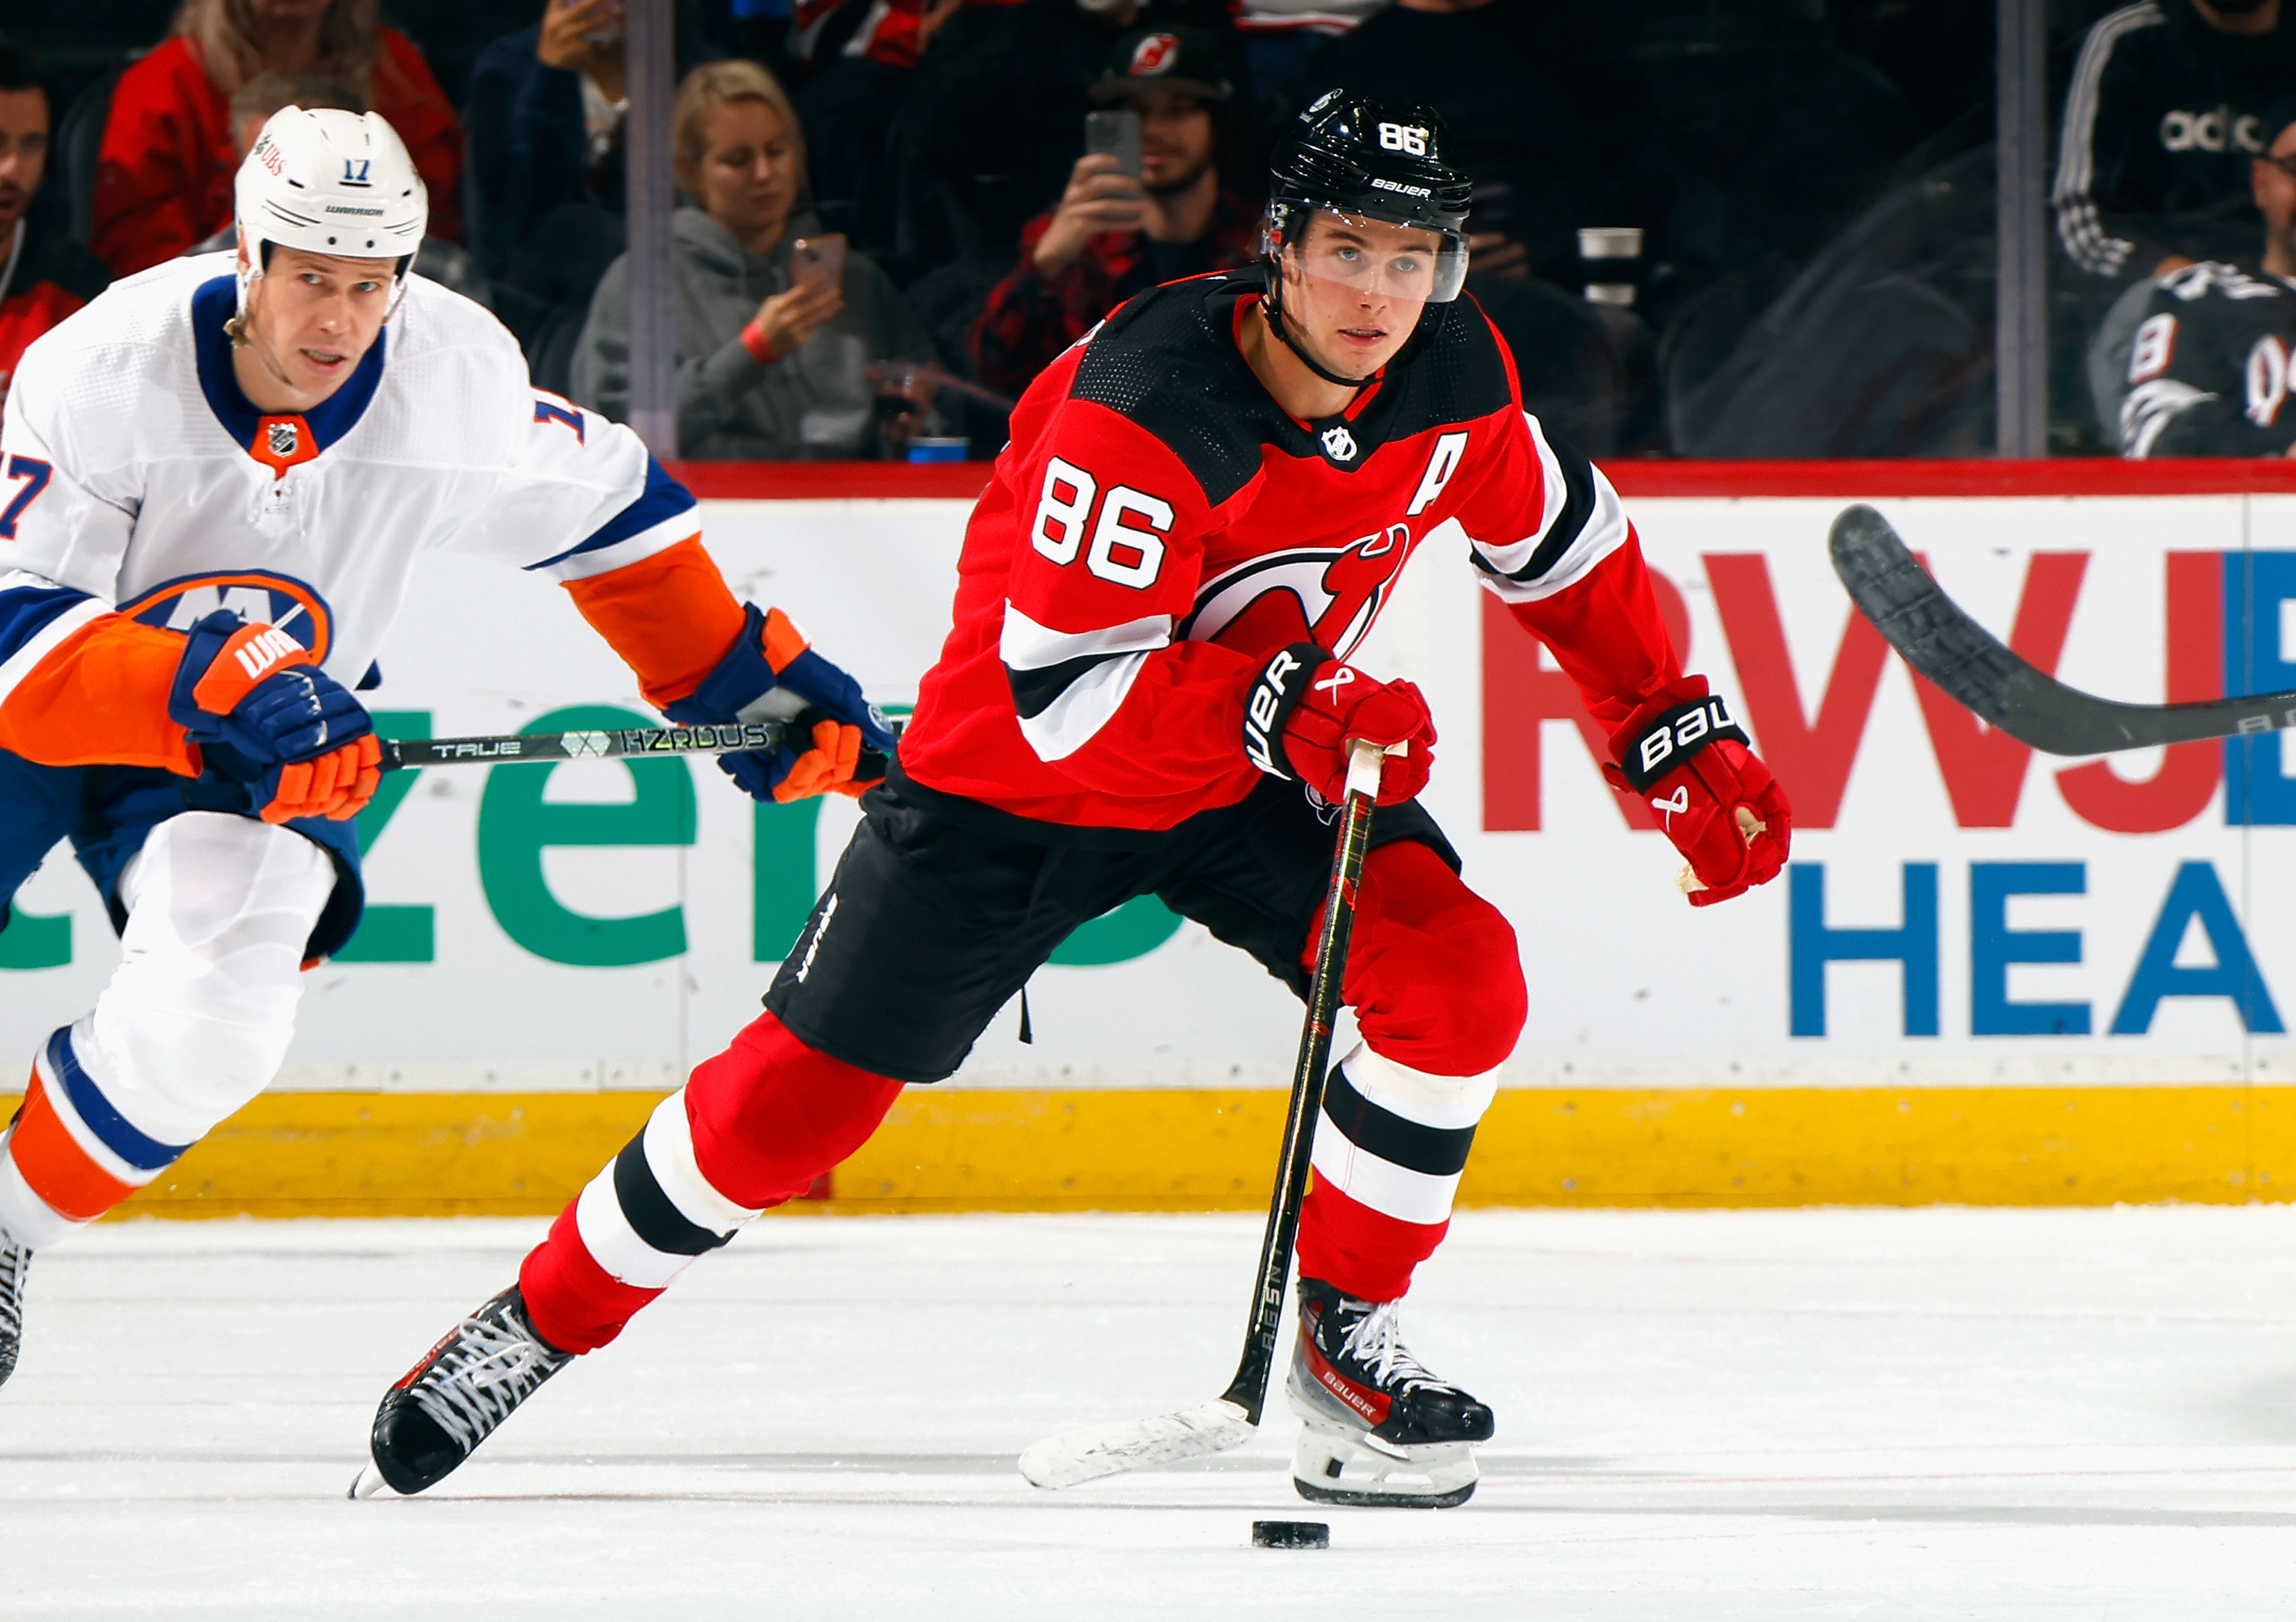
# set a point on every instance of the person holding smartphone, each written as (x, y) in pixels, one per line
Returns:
(782, 336)
(1144, 205)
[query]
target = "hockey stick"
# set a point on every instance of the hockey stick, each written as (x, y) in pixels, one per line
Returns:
(1228, 1420)
(408, 754)
(1890, 588)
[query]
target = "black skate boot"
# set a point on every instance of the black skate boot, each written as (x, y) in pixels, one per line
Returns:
(453, 1400)
(15, 1262)
(1381, 1430)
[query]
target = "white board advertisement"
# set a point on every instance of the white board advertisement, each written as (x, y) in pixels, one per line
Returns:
(1958, 909)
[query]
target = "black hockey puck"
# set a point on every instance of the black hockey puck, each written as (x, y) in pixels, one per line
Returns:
(1290, 1534)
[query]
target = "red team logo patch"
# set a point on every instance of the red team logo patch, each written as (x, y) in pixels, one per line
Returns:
(1326, 595)
(1154, 54)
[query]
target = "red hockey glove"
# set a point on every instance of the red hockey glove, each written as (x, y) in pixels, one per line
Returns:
(1304, 706)
(268, 720)
(1684, 757)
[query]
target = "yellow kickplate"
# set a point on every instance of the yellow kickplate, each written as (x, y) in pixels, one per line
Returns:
(403, 1154)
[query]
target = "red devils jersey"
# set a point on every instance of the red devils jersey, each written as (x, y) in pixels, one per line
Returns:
(1159, 527)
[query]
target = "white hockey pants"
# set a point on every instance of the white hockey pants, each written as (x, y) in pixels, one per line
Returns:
(195, 1022)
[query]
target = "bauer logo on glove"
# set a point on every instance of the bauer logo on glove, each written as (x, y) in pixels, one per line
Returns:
(1684, 757)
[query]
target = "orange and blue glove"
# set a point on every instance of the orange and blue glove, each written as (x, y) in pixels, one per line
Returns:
(838, 742)
(289, 737)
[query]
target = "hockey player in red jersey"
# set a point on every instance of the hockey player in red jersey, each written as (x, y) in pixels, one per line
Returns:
(1146, 690)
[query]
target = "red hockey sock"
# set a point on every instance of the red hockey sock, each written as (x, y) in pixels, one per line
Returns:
(1358, 1250)
(1433, 972)
(768, 1116)
(576, 1304)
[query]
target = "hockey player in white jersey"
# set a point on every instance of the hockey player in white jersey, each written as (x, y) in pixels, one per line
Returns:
(215, 482)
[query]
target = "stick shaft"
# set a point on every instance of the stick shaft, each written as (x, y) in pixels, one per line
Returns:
(1249, 1390)
(408, 754)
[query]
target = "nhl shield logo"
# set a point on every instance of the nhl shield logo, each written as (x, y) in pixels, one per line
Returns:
(1338, 444)
(284, 439)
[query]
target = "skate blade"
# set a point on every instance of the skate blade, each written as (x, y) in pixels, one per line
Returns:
(369, 1482)
(1335, 1464)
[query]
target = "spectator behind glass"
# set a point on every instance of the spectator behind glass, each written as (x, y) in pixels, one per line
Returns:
(2196, 363)
(1111, 237)
(858, 55)
(164, 172)
(44, 275)
(448, 264)
(1282, 39)
(547, 110)
(2161, 120)
(995, 118)
(769, 367)
(1539, 113)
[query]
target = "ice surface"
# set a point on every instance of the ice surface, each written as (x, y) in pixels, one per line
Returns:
(2013, 1414)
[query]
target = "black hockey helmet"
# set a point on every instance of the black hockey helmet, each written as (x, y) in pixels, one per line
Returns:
(1358, 157)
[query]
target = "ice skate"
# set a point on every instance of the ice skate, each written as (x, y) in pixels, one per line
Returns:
(1380, 1429)
(15, 1262)
(456, 1397)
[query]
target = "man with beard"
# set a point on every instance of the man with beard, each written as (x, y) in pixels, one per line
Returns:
(2164, 113)
(1113, 236)
(44, 275)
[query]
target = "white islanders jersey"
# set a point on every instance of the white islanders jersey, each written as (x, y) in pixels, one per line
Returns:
(136, 477)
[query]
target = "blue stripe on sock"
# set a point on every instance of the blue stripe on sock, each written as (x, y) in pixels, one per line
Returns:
(145, 1154)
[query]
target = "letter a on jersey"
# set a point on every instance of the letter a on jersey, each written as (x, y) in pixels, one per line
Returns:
(1448, 449)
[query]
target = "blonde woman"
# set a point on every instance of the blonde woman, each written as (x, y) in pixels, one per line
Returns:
(773, 362)
(163, 176)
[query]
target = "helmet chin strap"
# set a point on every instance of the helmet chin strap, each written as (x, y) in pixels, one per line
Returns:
(1273, 308)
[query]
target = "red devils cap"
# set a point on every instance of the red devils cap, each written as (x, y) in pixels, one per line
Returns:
(1183, 60)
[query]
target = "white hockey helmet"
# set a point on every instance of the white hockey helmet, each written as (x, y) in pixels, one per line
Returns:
(330, 181)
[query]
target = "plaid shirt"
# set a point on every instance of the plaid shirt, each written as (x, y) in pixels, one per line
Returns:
(1030, 318)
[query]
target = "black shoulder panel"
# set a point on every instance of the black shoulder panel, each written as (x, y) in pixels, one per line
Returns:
(1457, 376)
(1166, 361)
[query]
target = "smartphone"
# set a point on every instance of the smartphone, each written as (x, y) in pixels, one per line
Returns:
(819, 261)
(1116, 131)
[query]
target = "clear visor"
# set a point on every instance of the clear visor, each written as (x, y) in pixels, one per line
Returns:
(1413, 264)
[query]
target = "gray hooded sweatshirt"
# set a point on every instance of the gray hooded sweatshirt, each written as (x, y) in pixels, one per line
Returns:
(815, 403)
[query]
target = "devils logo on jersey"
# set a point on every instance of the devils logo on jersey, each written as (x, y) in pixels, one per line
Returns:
(1328, 595)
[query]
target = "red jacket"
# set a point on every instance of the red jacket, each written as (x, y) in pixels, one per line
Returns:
(1158, 528)
(163, 175)
(1030, 317)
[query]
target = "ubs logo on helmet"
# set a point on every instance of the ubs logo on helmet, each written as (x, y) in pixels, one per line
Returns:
(1154, 54)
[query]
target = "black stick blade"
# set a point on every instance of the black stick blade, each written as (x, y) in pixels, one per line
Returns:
(1968, 663)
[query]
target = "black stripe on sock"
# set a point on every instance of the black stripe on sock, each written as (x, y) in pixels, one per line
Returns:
(1436, 1151)
(649, 1211)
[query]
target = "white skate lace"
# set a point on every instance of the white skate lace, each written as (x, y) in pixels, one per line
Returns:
(1376, 1341)
(486, 1372)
